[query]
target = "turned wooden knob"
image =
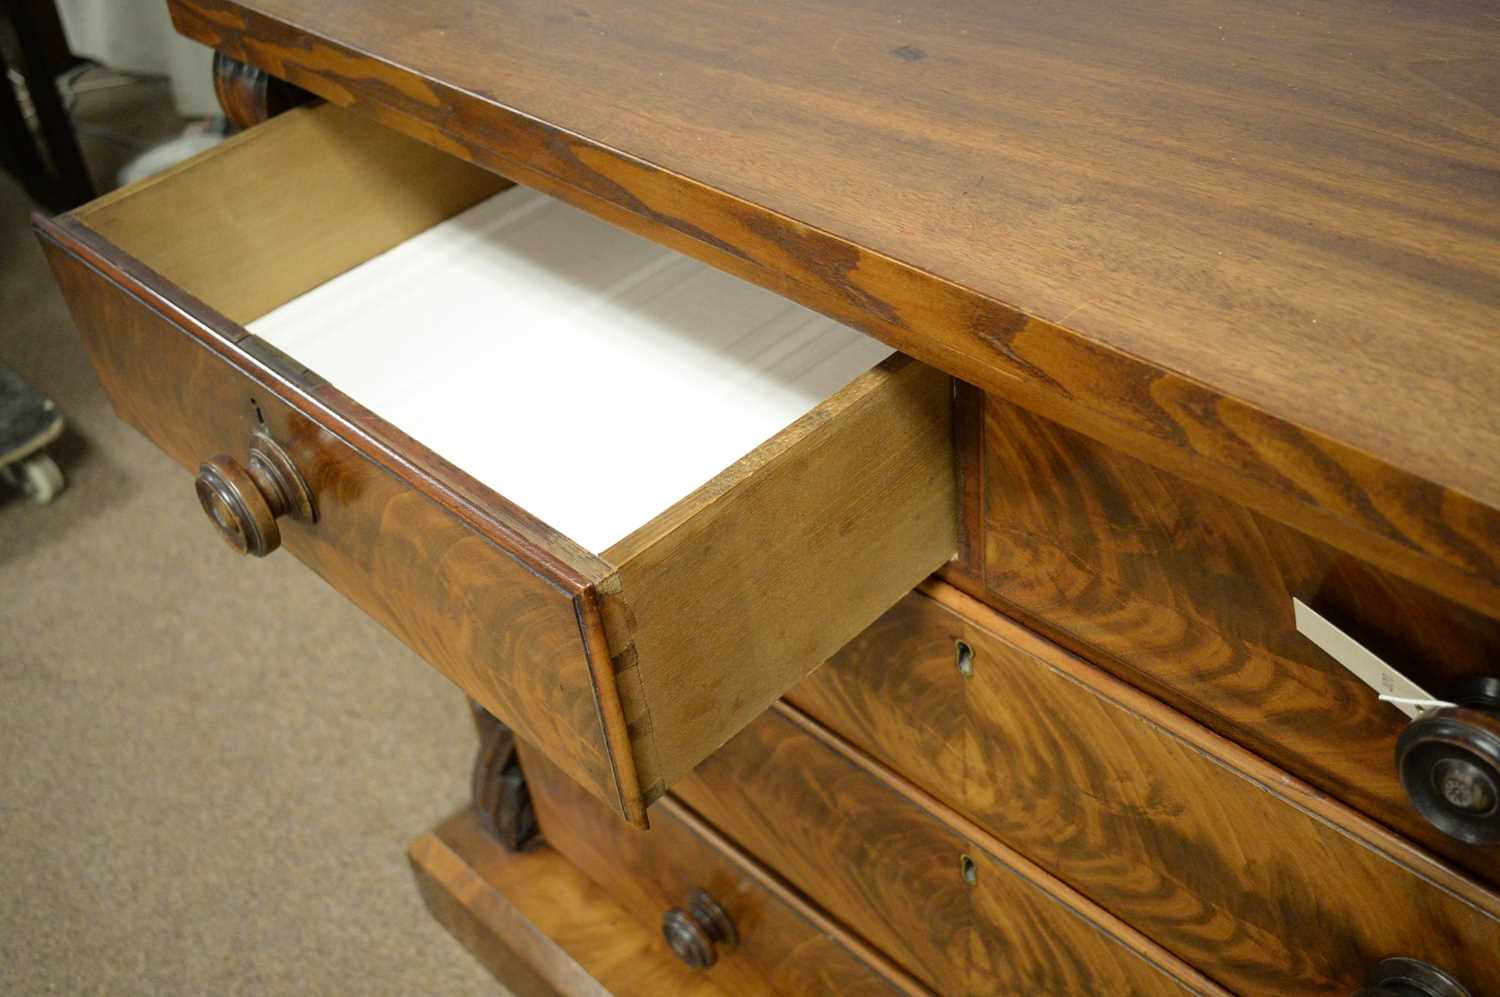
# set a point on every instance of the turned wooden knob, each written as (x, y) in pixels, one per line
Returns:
(244, 500)
(1449, 761)
(1403, 977)
(693, 933)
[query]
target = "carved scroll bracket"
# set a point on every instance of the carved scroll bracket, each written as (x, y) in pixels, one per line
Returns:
(500, 798)
(250, 95)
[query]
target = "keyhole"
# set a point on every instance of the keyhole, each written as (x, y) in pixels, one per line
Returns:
(969, 870)
(963, 656)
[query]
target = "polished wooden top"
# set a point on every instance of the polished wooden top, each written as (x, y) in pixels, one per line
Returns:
(1263, 238)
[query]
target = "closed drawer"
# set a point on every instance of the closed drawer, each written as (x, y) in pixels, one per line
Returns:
(1188, 595)
(951, 904)
(779, 942)
(1252, 876)
(626, 660)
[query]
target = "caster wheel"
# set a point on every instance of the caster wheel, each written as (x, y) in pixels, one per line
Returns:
(39, 478)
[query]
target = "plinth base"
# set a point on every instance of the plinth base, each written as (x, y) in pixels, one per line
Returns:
(537, 923)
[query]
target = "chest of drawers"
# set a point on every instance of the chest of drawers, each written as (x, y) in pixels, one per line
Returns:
(1196, 321)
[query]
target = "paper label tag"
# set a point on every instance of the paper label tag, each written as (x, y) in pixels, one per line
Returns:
(1393, 687)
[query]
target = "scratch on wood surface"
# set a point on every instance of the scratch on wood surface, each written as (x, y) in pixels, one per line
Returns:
(1070, 314)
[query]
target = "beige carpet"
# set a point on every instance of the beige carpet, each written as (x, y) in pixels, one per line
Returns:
(209, 766)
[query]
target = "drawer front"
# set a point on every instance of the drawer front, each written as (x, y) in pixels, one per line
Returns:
(1188, 595)
(961, 911)
(1250, 875)
(450, 593)
(784, 945)
(626, 666)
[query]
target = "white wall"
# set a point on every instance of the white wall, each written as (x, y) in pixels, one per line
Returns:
(136, 36)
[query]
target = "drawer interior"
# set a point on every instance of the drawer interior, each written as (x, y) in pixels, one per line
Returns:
(521, 331)
(590, 376)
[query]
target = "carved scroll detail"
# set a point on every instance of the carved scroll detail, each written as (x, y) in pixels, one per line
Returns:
(250, 95)
(500, 798)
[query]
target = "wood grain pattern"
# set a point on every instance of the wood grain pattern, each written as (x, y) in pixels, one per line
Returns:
(1193, 230)
(785, 945)
(891, 862)
(1253, 877)
(538, 924)
(445, 588)
(776, 562)
(1188, 595)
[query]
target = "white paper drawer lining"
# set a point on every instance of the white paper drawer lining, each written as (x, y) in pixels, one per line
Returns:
(588, 375)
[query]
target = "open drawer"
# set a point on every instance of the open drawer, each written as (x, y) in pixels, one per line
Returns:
(627, 655)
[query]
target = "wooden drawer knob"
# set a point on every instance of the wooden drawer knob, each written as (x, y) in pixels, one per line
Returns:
(244, 500)
(1403, 977)
(694, 933)
(1449, 761)
(1448, 757)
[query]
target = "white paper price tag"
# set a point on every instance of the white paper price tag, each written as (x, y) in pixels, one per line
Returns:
(1393, 687)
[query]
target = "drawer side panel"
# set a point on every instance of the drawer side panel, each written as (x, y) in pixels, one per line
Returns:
(505, 634)
(778, 561)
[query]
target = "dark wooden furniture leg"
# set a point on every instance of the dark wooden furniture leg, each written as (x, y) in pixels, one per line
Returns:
(18, 154)
(43, 55)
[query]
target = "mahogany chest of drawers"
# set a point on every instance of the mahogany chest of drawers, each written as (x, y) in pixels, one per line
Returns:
(1044, 656)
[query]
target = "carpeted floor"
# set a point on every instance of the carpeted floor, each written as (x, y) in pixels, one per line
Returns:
(209, 766)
